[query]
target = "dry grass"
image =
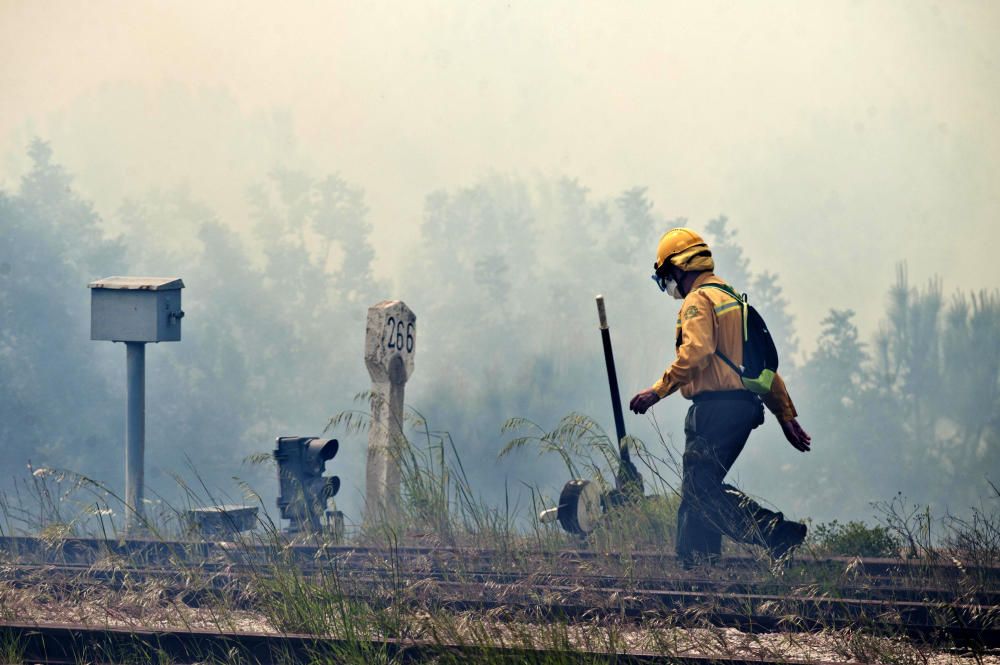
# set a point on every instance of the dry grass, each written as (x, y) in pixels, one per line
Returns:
(260, 583)
(149, 608)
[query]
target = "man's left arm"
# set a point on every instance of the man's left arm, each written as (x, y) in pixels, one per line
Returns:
(779, 402)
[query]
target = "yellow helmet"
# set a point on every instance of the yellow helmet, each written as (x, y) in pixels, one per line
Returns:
(685, 249)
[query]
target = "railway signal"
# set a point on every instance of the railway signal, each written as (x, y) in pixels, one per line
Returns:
(303, 489)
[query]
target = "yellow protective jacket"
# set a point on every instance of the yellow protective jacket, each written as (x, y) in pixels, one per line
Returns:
(710, 319)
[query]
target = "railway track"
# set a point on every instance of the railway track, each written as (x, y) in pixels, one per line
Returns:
(964, 624)
(932, 605)
(153, 552)
(221, 576)
(870, 579)
(64, 644)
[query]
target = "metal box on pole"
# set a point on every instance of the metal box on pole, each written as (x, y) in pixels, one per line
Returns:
(135, 310)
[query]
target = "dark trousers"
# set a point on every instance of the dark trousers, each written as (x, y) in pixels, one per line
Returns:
(715, 433)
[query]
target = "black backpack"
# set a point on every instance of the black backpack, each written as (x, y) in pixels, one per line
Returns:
(760, 357)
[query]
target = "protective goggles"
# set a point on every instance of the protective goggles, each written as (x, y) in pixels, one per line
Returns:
(660, 276)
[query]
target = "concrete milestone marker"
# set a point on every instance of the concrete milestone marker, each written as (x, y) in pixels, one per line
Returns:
(390, 342)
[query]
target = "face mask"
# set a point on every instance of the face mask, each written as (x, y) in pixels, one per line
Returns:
(668, 286)
(674, 289)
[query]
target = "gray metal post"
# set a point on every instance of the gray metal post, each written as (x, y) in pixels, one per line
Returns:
(135, 433)
(135, 310)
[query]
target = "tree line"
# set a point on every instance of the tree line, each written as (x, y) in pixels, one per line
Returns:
(502, 280)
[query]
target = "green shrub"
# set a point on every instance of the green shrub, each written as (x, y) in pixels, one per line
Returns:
(854, 539)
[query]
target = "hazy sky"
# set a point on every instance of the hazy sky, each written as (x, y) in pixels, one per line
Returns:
(840, 137)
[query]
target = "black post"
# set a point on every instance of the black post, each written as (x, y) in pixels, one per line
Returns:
(609, 361)
(627, 473)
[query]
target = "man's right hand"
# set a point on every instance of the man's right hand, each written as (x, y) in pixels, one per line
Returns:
(796, 436)
(642, 401)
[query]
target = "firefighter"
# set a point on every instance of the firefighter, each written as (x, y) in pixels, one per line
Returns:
(723, 413)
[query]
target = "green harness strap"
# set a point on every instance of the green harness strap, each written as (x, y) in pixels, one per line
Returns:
(728, 290)
(760, 385)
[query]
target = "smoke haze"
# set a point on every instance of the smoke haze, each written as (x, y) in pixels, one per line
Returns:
(840, 139)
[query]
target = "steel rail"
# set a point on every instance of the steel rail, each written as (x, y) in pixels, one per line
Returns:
(59, 644)
(220, 575)
(84, 549)
(966, 626)
(969, 625)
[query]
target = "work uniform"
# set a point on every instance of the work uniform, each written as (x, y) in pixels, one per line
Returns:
(718, 424)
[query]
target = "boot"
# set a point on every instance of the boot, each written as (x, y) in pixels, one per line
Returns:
(785, 537)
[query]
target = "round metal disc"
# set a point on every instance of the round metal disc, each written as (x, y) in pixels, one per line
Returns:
(579, 506)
